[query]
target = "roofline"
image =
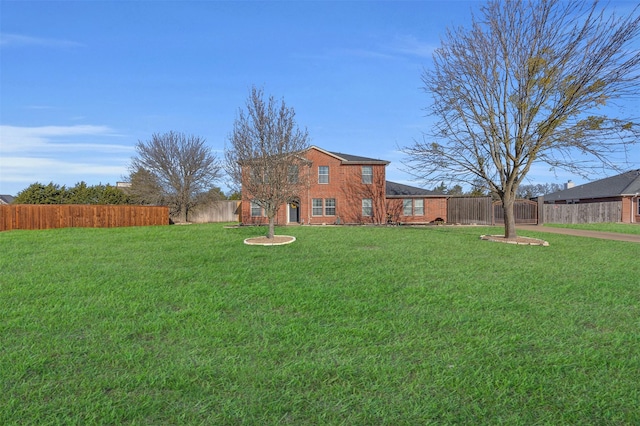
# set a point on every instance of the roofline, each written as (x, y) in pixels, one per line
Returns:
(345, 161)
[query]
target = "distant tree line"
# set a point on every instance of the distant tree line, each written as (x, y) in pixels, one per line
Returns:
(477, 190)
(480, 190)
(81, 193)
(537, 190)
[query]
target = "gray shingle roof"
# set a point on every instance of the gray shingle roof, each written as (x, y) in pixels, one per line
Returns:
(356, 158)
(6, 199)
(398, 190)
(627, 183)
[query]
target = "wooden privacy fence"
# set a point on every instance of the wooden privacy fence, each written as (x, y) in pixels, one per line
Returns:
(525, 212)
(219, 211)
(470, 210)
(47, 216)
(609, 211)
(484, 211)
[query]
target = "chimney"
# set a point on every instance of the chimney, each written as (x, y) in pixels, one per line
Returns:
(569, 184)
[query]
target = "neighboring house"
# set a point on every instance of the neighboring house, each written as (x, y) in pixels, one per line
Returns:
(6, 199)
(349, 189)
(624, 187)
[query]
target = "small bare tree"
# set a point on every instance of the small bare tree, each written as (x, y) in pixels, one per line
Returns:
(264, 157)
(529, 82)
(174, 168)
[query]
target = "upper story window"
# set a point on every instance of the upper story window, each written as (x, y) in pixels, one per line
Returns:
(323, 174)
(367, 174)
(292, 176)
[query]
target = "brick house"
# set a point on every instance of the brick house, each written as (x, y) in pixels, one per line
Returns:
(623, 188)
(349, 189)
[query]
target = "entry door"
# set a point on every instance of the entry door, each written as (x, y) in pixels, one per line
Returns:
(294, 212)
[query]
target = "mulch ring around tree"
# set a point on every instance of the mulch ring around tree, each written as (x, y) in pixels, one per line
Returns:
(525, 241)
(277, 240)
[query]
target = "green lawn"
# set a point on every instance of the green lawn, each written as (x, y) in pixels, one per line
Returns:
(348, 325)
(622, 228)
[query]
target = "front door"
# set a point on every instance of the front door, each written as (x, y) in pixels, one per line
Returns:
(294, 212)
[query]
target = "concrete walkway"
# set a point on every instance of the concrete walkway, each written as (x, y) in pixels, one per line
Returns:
(581, 233)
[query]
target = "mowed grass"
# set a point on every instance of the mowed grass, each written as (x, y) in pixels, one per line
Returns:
(348, 325)
(621, 228)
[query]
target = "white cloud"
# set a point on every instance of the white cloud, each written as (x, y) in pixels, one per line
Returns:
(64, 155)
(18, 40)
(55, 138)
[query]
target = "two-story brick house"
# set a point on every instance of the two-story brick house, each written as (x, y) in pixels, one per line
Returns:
(349, 189)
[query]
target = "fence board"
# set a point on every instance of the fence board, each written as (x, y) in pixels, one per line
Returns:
(608, 211)
(219, 211)
(470, 210)
(525, 212)
(47, 216)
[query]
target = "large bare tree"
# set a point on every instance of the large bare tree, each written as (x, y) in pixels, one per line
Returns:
(530, 81)
(175, 168)
(263, 158)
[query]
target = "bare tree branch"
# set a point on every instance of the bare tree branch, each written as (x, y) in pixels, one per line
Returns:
(263, 157)
(174, 168)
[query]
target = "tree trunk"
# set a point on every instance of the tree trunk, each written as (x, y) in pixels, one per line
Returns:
(509, 217)
(272, 225)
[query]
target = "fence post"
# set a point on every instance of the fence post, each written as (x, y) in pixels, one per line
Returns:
(541, 210)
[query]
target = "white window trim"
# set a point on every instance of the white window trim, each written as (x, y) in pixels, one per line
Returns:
(256, 205)
(415, 208)
(332, 207)
(407, 203)
(368, 175)
(313, 207)
(370, 207)
(327, 175)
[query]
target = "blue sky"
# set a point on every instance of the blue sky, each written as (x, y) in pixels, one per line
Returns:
(82, 82)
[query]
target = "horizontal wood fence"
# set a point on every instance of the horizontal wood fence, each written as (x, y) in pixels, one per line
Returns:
(609, 211)
(47, 216)
(219, 211)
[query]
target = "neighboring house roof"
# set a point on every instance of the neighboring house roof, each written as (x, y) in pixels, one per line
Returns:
(627, 183)
(399, 190)
(6, 199)
(351, 159)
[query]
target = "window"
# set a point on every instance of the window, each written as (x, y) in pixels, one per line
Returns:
(367, 207)
(316, 207)
(292, 177)
(638, 201)
(418, 207)
(323, 174)
(407, 207)
(330, 207)
(256, 210)
(412, 207)
(367, 174)
(259, 176)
